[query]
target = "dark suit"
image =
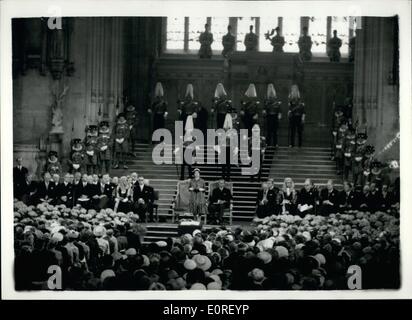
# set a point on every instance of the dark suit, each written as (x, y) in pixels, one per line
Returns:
(19, 179)
(108, 190)
(63, 190)
(29, 193)
(216, 210)
(348, 201)
(274, 200)
(147, 194)
(81, 189)
(92, 190)
(47, 192)
(263, 209)
(310, 197)
(333, 197)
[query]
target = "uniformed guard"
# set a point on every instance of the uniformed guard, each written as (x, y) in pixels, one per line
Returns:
(340, 141)
(104, 147)
(349, 149)
(53, 165)
(273, 114)
(357, 161)
(187, 108)
(261, 148)
(250, 108)
(121, 135)
(132, 121)
(337, 120)
(296, 115)
(367, 164)
(377, 175)
(221, 105)
(90, 143)
(347, 110)
(76, 161)
(251, 40)
(158, 108)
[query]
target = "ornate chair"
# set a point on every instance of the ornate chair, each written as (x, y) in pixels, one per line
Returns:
(227, 213)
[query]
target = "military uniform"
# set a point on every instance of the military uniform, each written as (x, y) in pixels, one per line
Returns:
(250, 110)
(104, 147)
(296, 118)
(340, 142)
(53, 165)
(367, 164)
(221, 106)
(273, 115)
(349, 149)
(338, 119)
(159, 110)
(131, 118)
(121, 136)
(90, 143)
(357, 160)
(187, 107)
(76, 161)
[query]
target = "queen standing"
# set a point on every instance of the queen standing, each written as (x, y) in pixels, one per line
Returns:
(197, 202)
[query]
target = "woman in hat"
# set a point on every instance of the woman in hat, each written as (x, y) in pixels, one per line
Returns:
(273, 115)
(121, 135)
(296, 115)
(123, 198)
(197, 188)
(187, 109)
(158, 108)
(250, 108)
(221, 105)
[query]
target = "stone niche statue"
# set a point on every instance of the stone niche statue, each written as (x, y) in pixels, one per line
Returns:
(57, 112)
(251, 40)
(352, 43)
(277, 41)
(333, 48)
(305, 45)
(206, 40)
(228, 42)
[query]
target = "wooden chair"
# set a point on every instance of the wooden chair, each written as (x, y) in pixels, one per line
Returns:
(156, 205)
(227, 213)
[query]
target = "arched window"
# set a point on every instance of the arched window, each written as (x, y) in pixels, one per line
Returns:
(317, 31)
(291, 32)
(175, 35)
(267, 24)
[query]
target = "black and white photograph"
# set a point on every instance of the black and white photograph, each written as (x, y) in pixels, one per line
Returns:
(210, 149)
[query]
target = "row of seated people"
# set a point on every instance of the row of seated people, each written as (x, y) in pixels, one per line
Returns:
(124, 194)
(309, 200)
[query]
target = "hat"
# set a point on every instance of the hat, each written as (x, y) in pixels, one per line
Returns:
(257, 274)
(196, 231)
(202, 262)
(196, 169)
(189, 264)
(198, 286)
(361, 136)
(52, 153)
(104, 124)
(72, 234)
(282, 251)
(161, 244)
(251, 91)
(131, 252)
(159, 90)
(214, 286)
(99, 231)
(157, 286)
(265, 257)
(57, 237)
(106, 274)
(130, 107)
(76, 141)
(320, 258)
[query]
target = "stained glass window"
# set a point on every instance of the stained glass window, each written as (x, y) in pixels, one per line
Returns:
(196, 27)
(267, 24)
(291, 32)
(219, 29)
(341, 25)
(243, 25)
(175, 35)
(317, 31)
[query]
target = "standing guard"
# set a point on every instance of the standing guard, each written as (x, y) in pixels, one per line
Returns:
(121, 135)
(158, 108)
(357, 161)
(349, 152)
(53, 165)
(76, 161)
(90, 143)
(187, 108)
(206, 40)
(337, 120)
(221, 105)
(132, 121)
(340, 141)
(296, 115)
(273, 115)
(367, 164)
(251, 40)
(104, 147)
(250, 109)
